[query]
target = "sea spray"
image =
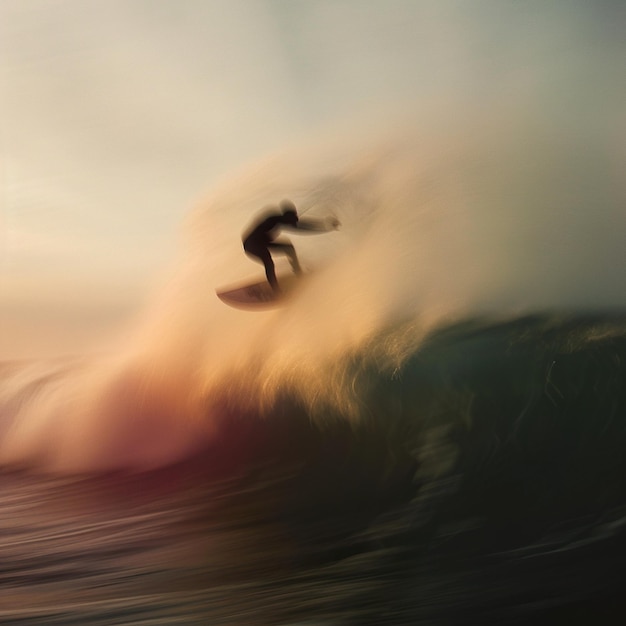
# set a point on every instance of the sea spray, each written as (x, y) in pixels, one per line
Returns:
(457, 216)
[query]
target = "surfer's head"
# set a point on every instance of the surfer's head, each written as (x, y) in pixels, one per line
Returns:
(289, 211)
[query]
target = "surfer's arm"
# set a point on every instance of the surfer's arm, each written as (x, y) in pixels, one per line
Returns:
(318, 226)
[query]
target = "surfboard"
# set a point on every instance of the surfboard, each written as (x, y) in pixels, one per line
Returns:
(258, 294)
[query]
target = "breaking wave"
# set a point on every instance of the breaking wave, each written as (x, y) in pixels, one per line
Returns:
(482, 216)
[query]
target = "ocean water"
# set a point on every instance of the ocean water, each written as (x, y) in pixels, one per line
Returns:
(485, 482)
(431, 430)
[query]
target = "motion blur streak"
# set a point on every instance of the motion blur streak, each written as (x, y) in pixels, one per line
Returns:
(462, 215)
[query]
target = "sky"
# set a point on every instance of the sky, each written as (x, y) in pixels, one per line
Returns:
(118, 116)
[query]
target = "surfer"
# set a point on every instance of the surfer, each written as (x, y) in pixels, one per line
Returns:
(259, 241)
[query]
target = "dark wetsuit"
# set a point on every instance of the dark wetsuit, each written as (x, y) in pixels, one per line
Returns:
(260, 241)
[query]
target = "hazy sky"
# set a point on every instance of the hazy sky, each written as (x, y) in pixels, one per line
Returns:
(117, 116)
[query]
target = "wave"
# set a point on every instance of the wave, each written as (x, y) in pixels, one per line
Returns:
(479, 216)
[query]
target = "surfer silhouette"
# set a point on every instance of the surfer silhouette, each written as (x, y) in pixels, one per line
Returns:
(259, 240)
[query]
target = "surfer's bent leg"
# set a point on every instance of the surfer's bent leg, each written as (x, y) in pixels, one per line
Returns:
(270, 272)
(290, 251)
(261, 253)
